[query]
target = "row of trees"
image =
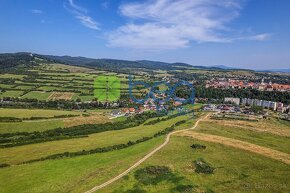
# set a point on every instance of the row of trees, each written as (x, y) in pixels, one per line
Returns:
(166, 118)
(12, 102)
(108, 148)
(16, 119)
(22, 138)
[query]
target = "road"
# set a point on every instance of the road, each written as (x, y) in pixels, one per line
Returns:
(144, 158)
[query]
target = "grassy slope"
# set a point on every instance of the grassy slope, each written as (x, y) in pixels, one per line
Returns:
(236, 170)
(30, 126)
(71, 174)
(27, 113)
(19, 154)
(260, 138)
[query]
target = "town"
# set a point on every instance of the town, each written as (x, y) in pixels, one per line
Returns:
(243, 84)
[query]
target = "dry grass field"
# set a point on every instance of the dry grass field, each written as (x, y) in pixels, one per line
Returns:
(81, 120)
(61, 96)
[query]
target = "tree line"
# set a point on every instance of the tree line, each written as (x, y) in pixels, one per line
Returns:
(108, 148)
(23, 138)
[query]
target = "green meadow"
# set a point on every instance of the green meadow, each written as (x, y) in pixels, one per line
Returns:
(235, 171)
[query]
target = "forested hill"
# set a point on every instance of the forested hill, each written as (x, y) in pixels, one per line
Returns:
(113, 63)
(8, 61)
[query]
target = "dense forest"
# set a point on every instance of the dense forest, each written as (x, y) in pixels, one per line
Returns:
(15, 60)
(112, 64)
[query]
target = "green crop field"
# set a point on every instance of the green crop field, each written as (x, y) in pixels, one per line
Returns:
(11, 93)
(39, 95)
(12, 76)
(6, 86)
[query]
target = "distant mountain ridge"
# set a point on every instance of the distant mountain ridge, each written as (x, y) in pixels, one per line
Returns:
(121, 64)
(224, 67)
(8, 60)
(277, 70)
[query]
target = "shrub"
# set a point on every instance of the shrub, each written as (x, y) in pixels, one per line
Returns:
(185, 188)
(10, 119)
(202, 166)
(198, 146)
(152, 174)
(4, 165)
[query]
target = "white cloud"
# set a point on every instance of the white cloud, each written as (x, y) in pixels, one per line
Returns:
(88, 21)
(259, 37)
(76, 7)
(170, 24)
(36, 11)
(81, 14)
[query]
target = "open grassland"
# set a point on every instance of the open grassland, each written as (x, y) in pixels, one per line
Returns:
(72, 175)
(47, 124)
(30, 126)
(19, 154)
(247, 133)
(267, 152)
(28, 113)
(235, 171)
(81, 120)
(273, 125)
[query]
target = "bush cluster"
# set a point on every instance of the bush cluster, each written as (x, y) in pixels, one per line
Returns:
(202, 166)
(198, 146)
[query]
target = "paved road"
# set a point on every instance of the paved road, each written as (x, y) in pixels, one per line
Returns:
(143, 159)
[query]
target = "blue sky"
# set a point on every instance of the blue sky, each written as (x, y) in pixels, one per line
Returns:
(239, 33)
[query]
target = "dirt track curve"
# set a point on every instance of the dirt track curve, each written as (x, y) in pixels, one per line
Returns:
(267, 152)
(143, 159)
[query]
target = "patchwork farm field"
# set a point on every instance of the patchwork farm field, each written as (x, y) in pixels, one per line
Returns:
(62, 79)
(48, 149)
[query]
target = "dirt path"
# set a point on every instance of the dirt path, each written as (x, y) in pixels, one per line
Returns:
(274, 154)
(143, 159)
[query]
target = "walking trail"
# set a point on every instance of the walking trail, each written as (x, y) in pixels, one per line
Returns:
(267, 152)
(144, 158)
